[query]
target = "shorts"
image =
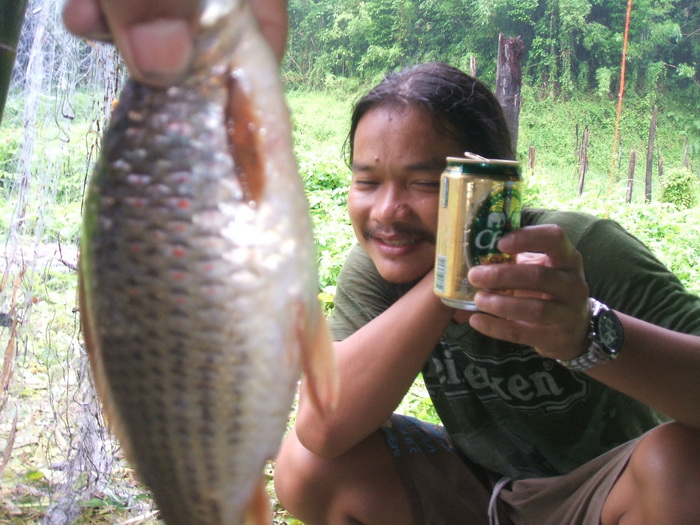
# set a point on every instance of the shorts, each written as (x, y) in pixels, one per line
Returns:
(445, 487)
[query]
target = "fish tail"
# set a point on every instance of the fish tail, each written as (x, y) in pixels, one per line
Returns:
(259, 511)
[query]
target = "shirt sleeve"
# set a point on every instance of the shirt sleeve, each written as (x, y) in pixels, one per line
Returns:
(624, 274)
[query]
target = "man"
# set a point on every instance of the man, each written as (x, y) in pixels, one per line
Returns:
(540, 427)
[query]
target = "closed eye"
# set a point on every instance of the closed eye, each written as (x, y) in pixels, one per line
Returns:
(427, 184)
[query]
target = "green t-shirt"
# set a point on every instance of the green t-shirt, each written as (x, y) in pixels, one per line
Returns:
(506, 407)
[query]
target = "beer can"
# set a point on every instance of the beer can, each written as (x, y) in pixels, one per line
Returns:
(480, 201)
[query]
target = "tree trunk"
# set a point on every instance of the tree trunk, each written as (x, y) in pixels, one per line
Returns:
(650, 157)
(472, 66)
(509, 73)
(630, 175)
(11, 18)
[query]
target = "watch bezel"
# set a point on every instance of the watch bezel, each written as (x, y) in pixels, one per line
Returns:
(607, 332)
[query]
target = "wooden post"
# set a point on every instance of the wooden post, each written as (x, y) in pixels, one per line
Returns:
(472, 66)
(685, 162)
(584, 161)
(650, 157)
(531, 158)
(509, 73)
(11, 18)
(630, 175)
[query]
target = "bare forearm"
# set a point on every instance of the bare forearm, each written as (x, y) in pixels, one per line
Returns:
(377, 366)
(659, 367)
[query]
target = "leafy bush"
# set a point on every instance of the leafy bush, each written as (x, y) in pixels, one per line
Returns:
(680, 187)
(9, 150)
(603, 78)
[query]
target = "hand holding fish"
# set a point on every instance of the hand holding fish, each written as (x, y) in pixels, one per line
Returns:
(156, 38)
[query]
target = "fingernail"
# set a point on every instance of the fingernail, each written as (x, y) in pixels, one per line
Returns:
(475, 274)
(504, 242)
(160, 50)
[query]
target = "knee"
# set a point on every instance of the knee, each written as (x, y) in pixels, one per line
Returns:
(667, 464)
(298, 480)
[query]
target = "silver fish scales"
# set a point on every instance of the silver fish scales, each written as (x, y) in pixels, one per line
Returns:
(198, 278)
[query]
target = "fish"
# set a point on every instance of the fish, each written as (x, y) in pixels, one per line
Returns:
(198, 281)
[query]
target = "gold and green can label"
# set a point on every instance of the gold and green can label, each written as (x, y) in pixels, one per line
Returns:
(480, 201)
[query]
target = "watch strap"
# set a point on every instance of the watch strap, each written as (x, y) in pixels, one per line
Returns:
(595, 354)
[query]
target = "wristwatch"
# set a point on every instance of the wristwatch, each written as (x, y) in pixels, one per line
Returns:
(606, 337)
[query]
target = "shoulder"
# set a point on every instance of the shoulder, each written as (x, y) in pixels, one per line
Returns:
(361, 294)
(587, 232)
(358, 262)
(575, 224)
(623, 272)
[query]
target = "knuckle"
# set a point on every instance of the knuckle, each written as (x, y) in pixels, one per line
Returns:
(539, 273)
(557, 232)
(539, 310)
(514, 333)
(579, 293)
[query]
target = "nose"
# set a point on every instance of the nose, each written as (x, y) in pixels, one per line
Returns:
(391, 204)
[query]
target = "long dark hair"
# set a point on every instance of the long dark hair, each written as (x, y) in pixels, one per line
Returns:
(462, 107)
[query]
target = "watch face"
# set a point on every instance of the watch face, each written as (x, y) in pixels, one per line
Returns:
(609, 330)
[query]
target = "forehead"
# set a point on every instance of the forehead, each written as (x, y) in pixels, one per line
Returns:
(392, 115)
(389, 132)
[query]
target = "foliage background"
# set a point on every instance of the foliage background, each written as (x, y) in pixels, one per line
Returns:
(60, 466)
(570, 45)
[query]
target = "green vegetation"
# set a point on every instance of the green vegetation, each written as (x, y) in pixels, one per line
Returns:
(570, 45)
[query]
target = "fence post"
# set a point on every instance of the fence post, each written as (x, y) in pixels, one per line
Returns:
(650, 157)
(630, 175)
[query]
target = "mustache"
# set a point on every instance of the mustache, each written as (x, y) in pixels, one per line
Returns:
(399, 229)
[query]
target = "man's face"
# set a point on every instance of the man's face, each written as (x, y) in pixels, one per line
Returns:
(393, 199)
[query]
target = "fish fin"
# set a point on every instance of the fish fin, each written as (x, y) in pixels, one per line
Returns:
(259, 511)
(94, 352)
(244, 141)
(92, 346)
(319, 366)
